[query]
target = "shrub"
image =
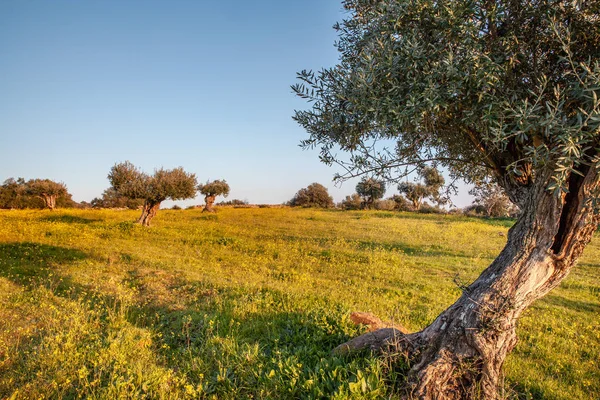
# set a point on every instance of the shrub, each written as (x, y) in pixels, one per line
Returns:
(401, 203)
(315, 195)
(234, 202)
(386, 205)
(352, 202)
(427, 208)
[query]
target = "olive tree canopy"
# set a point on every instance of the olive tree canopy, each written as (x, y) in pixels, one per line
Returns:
(506, 89)
(174, 184)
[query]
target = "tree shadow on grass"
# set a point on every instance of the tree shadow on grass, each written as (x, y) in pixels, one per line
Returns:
(371, 245)
(69, 219)
(25, 262)
(428, 251)
(531, 391)
(574, 305)
(216, 328)
(494, 221)
(292, 346)
(588, 264)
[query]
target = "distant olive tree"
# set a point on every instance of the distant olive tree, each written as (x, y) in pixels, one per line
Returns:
(432, 184)
(370, 189)
(174, 184)
(211, 190)
(492, 199)
(314, 195)
(45, 189)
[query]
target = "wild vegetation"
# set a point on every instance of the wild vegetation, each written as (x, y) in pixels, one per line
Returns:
(249, 303)
(500, 90)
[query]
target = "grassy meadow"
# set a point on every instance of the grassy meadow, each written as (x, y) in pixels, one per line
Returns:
(248, 303)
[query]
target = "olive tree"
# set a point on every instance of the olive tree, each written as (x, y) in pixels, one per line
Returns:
(314, 195)
(174, 184)
(45, 189)
(492, 199)
(211, 190)
(505, 89)
(370, 189)
(35, 193)
(432, 184)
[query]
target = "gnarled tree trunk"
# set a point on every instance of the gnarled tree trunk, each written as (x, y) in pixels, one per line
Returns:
(49, 200)
(460, 355)
(416, 203)
(210, 201)
(148, 212)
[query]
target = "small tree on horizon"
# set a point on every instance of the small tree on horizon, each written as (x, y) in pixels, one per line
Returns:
(370, 189)
(433, 182)
(174, 184)
(210, 191)
(314, 195)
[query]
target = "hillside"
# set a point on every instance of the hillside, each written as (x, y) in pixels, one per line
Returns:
(248, 303)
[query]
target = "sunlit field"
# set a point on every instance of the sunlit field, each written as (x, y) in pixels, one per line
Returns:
(249, 303)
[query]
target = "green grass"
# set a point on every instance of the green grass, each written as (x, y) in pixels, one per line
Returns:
(248, 303)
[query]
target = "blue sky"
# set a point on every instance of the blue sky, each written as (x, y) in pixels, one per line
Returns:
(198, 84)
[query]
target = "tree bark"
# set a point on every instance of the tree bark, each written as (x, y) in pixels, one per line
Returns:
(417, 204)
(49, 200)
(460, 355)
(149, 210)
(209, 200)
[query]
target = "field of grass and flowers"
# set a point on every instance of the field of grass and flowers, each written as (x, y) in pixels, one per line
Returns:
(248, 303)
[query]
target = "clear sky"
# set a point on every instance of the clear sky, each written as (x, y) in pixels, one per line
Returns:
(200, 84)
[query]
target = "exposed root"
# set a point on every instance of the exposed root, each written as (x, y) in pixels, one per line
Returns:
(381, 334)
(435, 369)
(374, 323)
(374, 341)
